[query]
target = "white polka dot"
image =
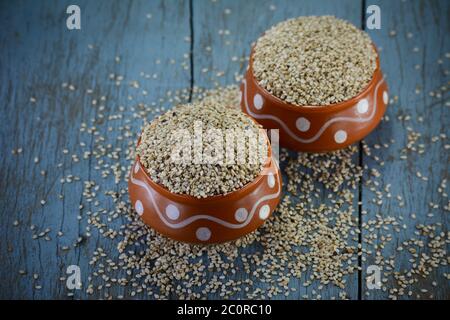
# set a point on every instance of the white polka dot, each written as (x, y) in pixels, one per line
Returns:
(303, 124)
(340, 136)
(271, 180)
(258, 101)
(136, 168)
(362, 106)
(264, 212)
(385, 97)
(203, 234)
(241, 214)
(139, 207)
(172, 212)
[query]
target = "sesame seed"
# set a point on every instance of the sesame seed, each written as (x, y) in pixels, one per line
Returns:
(314, 61)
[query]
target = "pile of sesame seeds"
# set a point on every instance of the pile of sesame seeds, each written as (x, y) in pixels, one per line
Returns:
(196, 175)
(314, 61)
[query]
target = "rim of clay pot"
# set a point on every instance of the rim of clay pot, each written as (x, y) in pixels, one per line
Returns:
(185, 198)
(322, 108)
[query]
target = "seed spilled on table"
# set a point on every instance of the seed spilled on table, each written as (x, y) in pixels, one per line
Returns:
(306, 236)
(164, 268)
(273, 261)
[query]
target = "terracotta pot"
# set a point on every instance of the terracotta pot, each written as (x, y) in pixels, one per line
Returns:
(316, 128)
(208, 220)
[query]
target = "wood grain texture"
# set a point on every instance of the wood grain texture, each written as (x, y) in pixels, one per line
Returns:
(413, 38)
(229, 28)
(38, 54)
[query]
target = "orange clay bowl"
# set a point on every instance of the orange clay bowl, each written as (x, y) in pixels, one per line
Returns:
(316, 128)
(208, 220)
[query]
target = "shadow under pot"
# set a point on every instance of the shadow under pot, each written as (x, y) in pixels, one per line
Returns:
(207, 220)
(316, 128)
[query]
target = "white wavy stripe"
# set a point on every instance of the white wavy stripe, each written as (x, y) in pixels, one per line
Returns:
(191, 219)
(323, 128)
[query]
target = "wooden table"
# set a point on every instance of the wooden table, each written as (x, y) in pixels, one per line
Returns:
(42, 115)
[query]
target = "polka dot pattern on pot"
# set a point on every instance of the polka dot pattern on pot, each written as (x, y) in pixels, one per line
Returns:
(270, 180)
(385, 97)
(139, 207)
(203, 234)
(362, 106)
(208, 222)
(264, 212)
(303, 124)
(258, 101)
(241, 214)
(340, 136)
(172, 212)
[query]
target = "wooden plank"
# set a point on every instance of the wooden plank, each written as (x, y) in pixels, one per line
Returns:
(413, 42)
(39, 54)
(229, 28)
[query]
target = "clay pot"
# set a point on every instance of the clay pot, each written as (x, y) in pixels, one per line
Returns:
(208, 220)
(316, 128)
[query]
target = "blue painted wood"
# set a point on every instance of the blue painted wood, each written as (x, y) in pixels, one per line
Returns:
(413, 41)
(229, 28)
(38, 54)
